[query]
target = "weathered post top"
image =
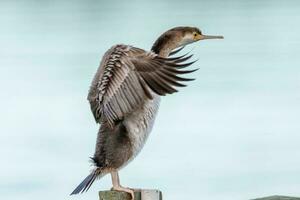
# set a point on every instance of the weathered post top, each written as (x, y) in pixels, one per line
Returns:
(138, 195)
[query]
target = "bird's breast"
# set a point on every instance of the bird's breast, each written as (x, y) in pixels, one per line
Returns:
(139, 123)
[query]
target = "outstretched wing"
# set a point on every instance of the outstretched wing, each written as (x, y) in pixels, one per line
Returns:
(127, 76)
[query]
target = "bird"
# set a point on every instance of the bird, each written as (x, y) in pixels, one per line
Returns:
(125, 94)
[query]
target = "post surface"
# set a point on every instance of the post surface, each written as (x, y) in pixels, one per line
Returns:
(138, 195)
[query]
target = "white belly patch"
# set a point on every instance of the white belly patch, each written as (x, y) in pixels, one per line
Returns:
(139, 124)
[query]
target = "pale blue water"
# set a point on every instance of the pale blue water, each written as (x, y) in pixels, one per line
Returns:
(242, 113)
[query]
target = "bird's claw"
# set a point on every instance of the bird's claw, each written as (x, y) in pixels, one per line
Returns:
(124, 189)
(135, 189)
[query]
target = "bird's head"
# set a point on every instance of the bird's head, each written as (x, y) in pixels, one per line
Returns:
(179, 36)
(188, 35)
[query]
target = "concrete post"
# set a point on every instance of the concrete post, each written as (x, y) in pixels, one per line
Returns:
(138, 195)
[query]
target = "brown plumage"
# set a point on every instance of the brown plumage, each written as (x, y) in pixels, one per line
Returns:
(127, 77)
(168, 37)
(125, 95)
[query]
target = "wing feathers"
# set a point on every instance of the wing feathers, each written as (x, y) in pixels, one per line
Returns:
(129, 76)
(145, 88)
(176, 51)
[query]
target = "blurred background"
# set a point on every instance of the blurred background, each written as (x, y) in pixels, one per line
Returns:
(242, 113)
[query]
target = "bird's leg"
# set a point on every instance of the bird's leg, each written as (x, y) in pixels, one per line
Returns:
(116, 184)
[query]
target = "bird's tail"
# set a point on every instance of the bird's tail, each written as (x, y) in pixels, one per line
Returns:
(88, 181)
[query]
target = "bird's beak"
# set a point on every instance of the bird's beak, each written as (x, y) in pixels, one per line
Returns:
(205, 37)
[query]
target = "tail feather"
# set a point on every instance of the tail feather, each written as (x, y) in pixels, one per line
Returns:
(85, 184)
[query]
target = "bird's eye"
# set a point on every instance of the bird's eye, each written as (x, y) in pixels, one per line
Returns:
(195, 34)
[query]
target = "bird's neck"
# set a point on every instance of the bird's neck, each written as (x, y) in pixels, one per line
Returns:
(164, 45)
